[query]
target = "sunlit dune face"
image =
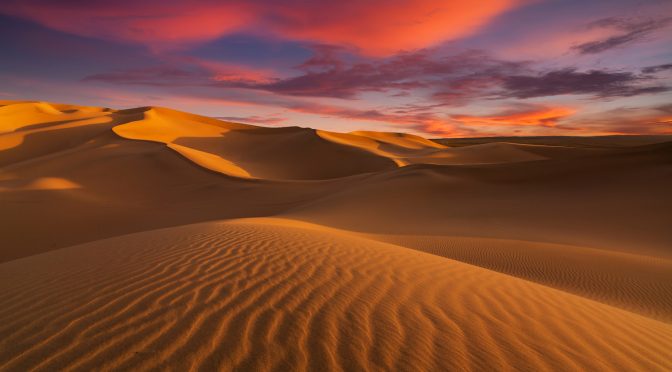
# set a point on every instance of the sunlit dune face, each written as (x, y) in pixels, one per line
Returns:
(373, 27)
(546, 116)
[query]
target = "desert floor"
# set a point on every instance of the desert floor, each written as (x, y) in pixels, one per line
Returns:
(152, 239)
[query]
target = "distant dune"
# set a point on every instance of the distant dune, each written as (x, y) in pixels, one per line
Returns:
(153, 239)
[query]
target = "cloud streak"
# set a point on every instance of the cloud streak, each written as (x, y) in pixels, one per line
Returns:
(525, 115)
(570, 81)
(631, 31)
(254, 119)
(654, 120)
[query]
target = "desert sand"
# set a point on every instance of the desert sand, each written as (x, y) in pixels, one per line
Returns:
(153, 239)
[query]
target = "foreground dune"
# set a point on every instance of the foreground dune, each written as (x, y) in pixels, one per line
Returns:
(385, 251)
(271, 294)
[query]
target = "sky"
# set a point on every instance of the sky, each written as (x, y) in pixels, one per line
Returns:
(437, 68)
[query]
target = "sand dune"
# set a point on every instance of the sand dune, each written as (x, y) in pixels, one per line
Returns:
(405, 149)
(386, 251)
(266, 294)
(31, 130)
(247, 151)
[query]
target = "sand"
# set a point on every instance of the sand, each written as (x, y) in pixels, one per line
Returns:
(149, 238)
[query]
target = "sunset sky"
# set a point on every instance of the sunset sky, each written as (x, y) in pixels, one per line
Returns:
(438, 68)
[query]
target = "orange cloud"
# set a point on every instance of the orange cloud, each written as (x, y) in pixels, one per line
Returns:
(628, 120)
(228, 72)
(375, 27)
(533, 116)
(383, 27)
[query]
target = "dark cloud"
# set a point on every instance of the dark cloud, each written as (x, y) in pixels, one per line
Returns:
(657, 69)
(631, 31)
(449, 77)
(570, 81)
(452, 80)
(666, 109)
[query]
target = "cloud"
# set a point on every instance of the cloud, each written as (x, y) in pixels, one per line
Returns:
(523, 115)
(453, 79)
(631, 30)
(160, 25)
(161, 75)
(444, 81)
(326, 75)
(657, 69)
(421, 122)
(186, 71)
(383, 27)
(254, 119)
(375, 27)
(570, 81)
(654, 120)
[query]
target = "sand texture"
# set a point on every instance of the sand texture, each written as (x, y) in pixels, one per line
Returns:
(153, 239)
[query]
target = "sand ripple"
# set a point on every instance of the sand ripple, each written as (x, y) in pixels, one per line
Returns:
(270, 295)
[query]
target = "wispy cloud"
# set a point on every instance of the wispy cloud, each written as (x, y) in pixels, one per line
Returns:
(629, 120)
(657, 69)
(522, 115)
(596, 83)
(630, 30)
(254, 119)
(421, 122)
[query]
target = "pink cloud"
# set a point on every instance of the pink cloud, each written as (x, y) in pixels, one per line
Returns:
(232, 73)
(158, 24)
(421, 122)
(375, 27)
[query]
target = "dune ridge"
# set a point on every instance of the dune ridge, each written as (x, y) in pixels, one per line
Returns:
(266, 294)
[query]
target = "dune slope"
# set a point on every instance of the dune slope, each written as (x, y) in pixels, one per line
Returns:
(271, 294)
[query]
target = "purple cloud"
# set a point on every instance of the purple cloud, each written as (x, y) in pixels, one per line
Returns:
(569, 81)
(631, 31)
